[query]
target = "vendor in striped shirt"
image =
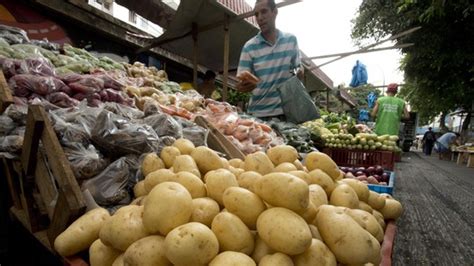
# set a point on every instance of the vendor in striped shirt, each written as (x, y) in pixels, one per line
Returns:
(271, 56)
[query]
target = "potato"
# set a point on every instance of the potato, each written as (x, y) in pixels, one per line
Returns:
(236, 163)
(81, 233)
(168, 155)
(258, 162)
(245, 204)
(317, 195)
(317, 254)
(301, 174)
(299, 165)
(309, 213)
(368, 222)
(249, 180)
(138, 201)
(184, 146)
(192, 183)
(319, 160)
(379, 218)
(236, 171)
(261, 249)
(315, 232)
(375, 200)
(185, 163)
(232, 258)
(360, 188)
(282, 153)
(319, 177)
(102, 255)
(284, 190)
(191, 244)
(148, 251)
(232, 233)
(217, 181)
(392, 209)
(119, 261)
(157, 177)
(206, 159)
(386, 196)
(365, 207)
(343, 195)
(340, 177)
(139, 189)
(285, 167)
(204, 210)
(277, 259)
(284, 231)
(151, 163)
(168, 205)
(347, 240)
(225, 163)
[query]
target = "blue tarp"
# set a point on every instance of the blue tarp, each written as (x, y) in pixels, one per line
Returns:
(359, 75)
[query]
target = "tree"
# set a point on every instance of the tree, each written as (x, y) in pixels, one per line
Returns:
(439, 68)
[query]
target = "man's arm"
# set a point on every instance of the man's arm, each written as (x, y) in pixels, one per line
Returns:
(245, 64)
(375, 110)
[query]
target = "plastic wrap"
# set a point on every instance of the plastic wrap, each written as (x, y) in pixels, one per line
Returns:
(13, 35)
(111, 186)
(6, 125)
(37, 66)
(61, 99)
(39, 100)
(11, 67)
(69, 133)
(87, 84)
(17, 113)
(85, 162)
(193, 132)
(45, 44)
(24, 85)
(11, 144)
(164, 125)
(117, 136)
(123, 110)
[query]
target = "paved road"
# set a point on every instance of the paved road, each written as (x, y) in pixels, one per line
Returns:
(437, 225)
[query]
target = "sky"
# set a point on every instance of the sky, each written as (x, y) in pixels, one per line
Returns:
(324, 27)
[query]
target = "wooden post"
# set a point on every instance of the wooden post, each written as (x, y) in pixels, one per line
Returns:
(226, 59)
(195, 55)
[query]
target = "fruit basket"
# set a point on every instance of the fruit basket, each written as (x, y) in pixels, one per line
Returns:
(361, 158)
(384, 188)
(378, 179)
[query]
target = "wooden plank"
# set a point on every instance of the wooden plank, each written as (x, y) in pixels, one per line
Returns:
(217, 141)
(46, 186)
(34, 129)
(6, 97)
(13, 182)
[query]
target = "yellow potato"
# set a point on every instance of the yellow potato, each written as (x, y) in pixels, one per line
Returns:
(139, 189)
(232, 233)
(285, 167)
(364, 206)
(138, 201)
(249, 180)
(119, 261)
(360, 188)
(186, 163)
(192, 183)
(236, 163)
(236, 171)
(204, 210)
(319, 177)
(184, 146)
(284, 231)
(168, 155)
(284, 190)
(392, 209)
(298, 165)
(206, 159)
(282, 153)
(151, 163)
(301, 174)
(379, 218)
(148, 251)
(191, 244)
(309, 213)
(232, 258)
(347, 240)
(102, 255)
(225, 163)
(368, 222)
(343, 195)
(258, 162)
(317, 195)
(261, 249)
(217, 181)
(168, 205)
(315, 232)
(375, 200)
(157, 177)
(81, 233)
(277, 259)
(317, 254)
(123, 228)
(245, 204)
(319, 160)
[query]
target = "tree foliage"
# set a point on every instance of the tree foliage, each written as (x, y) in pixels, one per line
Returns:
(439, 68)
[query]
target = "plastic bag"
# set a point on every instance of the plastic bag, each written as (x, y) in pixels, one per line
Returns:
(13, 35)
(85, 162)
(164, 125)
(117, 136)
(111, 186)
(123, 110)
(69, 133)
(24, 85)
(297, 105)
(11, 144)
(193, 132)
(6, 125)
(37, 66)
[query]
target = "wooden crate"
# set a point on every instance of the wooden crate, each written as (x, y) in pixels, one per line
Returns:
(45, 193)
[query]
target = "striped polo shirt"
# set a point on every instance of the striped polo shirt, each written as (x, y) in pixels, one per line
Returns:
(272, 64)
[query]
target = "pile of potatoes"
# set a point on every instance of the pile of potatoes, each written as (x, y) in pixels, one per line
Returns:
(196, 208)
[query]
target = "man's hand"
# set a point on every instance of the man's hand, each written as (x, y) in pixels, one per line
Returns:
(246, 86)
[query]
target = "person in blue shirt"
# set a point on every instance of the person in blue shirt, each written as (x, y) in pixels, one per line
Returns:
(270, 56)
(443, 143)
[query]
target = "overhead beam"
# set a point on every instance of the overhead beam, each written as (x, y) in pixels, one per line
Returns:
(400, 46)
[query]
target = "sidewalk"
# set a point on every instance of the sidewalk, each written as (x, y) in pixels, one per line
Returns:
(437, 226)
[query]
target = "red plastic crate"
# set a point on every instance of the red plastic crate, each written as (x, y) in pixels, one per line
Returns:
(362, 158)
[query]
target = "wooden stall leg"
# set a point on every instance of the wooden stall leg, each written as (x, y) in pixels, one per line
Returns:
(13, 182)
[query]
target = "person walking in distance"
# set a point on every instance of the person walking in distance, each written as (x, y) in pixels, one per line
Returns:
(429, 140)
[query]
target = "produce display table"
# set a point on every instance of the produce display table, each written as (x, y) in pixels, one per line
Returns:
(465, 155)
